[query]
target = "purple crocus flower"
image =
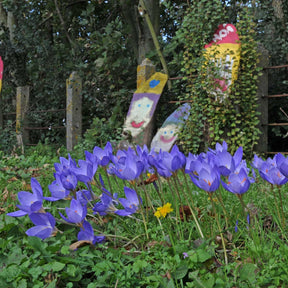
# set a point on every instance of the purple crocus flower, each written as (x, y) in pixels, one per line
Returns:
(282, 163)
(45, 225)
(219, 148)
(156, 161)
(174, 160)
(238, 183)
(86, 233)
(58, 191)
(83, 196)
(130, 204)
(243, 165)
(257, 162)
(208, 177)
(271, 173)
(93, 160)
(167, 163)
(103, 155)
(106, 205)
(64, 166)
(69, 180)
(85, 172)
(190, 159)
(76, 213)
(142, 155)
(128, 168)
(29, 202)
(201, 161)
(228, 163)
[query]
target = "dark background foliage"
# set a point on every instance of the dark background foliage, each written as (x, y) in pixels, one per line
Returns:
(42, 42)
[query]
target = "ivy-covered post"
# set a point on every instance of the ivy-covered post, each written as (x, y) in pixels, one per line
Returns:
(73, 110)
(22, 102)
(262, 145)
(1, 76)
(1, 113)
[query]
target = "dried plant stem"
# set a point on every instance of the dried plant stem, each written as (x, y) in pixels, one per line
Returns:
(276, 203)
(142, 213)
(175, 201)
(219, 198)
(281, 206)
(219, 228)
(191, 210)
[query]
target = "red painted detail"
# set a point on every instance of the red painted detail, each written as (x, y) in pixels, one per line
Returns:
(163, 139)
(137, 125)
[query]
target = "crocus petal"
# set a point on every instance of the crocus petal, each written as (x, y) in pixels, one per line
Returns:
(42, 219)
(18, 213)
(36, 206)
(36, 188)
(26, 198)
(131, 195)
(42, 232)
(123, 212)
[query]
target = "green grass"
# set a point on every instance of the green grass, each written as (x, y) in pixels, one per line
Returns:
(152, 256)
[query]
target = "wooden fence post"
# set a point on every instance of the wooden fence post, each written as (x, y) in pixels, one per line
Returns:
(262, 145)
(22, 102)
(73, 110)
(144, 71)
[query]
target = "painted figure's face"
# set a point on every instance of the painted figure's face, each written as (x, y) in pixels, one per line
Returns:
(168, 134)
(225, 65)
(165, 138)
(139, 115)
(225, 56)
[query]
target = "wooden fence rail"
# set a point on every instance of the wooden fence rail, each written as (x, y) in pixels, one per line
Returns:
(267, 124)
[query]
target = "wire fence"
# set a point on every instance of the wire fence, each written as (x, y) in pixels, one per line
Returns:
(27, 127)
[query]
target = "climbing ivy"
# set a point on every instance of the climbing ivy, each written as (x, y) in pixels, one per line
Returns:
(235, 118)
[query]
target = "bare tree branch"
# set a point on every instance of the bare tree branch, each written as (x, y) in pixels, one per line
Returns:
(63, 24)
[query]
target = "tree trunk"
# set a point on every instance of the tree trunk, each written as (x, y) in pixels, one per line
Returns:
(141, 39)
(140, 36)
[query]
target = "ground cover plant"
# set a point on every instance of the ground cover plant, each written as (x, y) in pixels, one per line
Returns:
(136, 218)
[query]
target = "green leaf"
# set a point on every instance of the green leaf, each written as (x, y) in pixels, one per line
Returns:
(54, 266)
(35, 271)
(139, 265)
(38, 245)
(171, 284)
(71, 270)
(10, 273)
(23, 284)
(200, 256)
(65, 250)
(181, 272)
(247, 272)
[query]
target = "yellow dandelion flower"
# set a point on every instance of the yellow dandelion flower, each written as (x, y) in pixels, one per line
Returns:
(163, 211)
(157, 214)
